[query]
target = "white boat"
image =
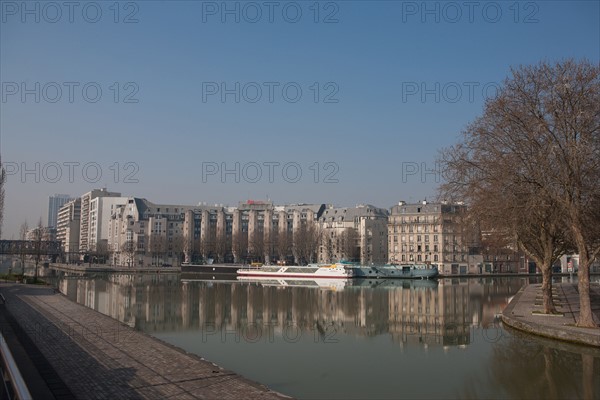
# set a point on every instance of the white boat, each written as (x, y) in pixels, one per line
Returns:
(314, 283)
(337, 270)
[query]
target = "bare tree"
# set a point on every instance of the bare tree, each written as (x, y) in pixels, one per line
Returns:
(101, 252)
(220, 248)
(157, 246)
(283, 244)
(240, 246)
(177, 247)
(256, 246)
(534, 155)
(268, 247)
(327, 246)
(349, 244)
(207, 245)
(129, 250)
(2, 181)
(38, 238)
(306, 242)
(196, 250)
(23, 252)
(564, 106)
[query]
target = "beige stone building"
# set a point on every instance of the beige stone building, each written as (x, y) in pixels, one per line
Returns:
(253, 231)
(142, 233)
(354, 234)
(430, 233)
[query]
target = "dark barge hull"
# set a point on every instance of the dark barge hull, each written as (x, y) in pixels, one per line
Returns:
(229, 269)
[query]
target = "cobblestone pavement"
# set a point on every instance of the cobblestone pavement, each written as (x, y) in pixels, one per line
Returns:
(98, 357)
(525, 313)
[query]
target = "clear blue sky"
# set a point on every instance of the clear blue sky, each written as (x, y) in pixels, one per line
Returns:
(372, 61)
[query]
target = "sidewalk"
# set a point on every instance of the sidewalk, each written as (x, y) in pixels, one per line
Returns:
(524, 313)
(97, 357)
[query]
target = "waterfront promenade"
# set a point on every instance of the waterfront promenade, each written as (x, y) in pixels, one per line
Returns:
(86, 268)
(84, 354)
(524, 313)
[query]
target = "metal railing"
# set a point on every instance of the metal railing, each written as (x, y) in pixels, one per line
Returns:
(14, 386)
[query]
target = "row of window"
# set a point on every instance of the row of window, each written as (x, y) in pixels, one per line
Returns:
(419, 238)
(418, 228)
(427, 257)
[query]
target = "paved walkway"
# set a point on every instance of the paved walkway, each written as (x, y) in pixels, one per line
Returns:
(524, 313)
(85, 267)
(99, 358)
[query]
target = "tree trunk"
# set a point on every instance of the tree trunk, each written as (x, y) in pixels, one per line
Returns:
(547, 289)
(586, 319)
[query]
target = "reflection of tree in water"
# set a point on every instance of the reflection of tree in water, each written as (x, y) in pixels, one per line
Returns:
(528, 369)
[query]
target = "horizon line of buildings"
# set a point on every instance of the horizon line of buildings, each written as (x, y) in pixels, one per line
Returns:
(103, 226)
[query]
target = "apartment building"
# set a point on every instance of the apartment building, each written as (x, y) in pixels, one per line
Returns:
(354, 234)
(253, 231)
(67, 231)
(54, 204)
(431, 233)
(142, 233)
(91, 222)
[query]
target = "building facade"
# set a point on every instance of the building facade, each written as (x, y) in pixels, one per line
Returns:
(354, 234)
(253, 231)
(89, 223)
(143, 233)
(54, 204)
(433, 233)
(67, 231)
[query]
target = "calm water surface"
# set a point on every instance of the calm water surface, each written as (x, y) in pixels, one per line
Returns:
(355, 339)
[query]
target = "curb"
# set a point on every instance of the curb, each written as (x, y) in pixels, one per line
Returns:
(538, 329)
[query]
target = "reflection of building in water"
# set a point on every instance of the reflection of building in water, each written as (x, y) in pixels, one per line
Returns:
(430, 316)
(417, 314)
(412, 312)
(146, 301)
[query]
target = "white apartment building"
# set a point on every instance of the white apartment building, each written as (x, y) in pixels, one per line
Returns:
(85, 225)
(67, 231)
(100, 212)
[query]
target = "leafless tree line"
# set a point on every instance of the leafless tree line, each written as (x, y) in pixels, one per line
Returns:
(529, 168)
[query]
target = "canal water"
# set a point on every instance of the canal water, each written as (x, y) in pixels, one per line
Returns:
(350, 340)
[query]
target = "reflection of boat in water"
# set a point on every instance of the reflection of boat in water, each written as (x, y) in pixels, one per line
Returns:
(394, 283)
(409, 271)
(211, 268)
(204, 277)
(336, 271)
(317, 283)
